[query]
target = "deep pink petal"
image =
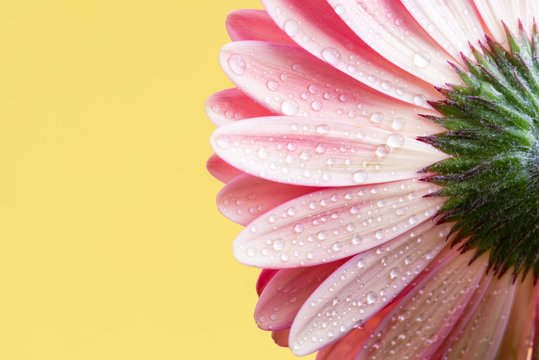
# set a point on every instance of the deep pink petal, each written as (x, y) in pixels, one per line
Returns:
(281, 337)
(221, 170)
(332, 224)
(289, 81)
(286, 292)
(388, 28)
(230, 105)
(318, 152)
(315, 27)
(246, 197)
(363, 286)
(247, 24)
(263, 279)
(424, 317)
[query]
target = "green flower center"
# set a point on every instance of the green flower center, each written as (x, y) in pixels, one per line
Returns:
(492, 178)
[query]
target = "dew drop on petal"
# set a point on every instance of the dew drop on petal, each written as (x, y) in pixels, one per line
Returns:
(395, 140)
(421, 61)
(419, 100)
(331, 55)
(360, 176)
(382, 150)
(272, 85)
(289, 107)
(398, 124)
(322, 129)
(236, 64)
(291, 27)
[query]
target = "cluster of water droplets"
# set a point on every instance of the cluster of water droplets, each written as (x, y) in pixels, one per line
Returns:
(335, 223)
(364, 285)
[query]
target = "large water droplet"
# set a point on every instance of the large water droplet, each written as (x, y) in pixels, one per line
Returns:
(289, 107)
(331, 55)
(290, 27)
(236, 64)
(395, 140)
(361, 176)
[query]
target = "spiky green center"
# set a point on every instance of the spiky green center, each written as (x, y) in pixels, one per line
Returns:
(492, 178)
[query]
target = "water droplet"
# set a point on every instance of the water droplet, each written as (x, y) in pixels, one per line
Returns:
(263, 153)
(360, 263)
(298, 228)
(371, 297)
(316, 105)
(361, 176)
(272, 85)
(291, 27)
(419, 100)
(278, 245)
(236, 64)
(395, 140)
(322, 235)
(421, 61)
(289, 107)
(398, 124)
(377, 117)
(331, 55)
(356, 239)
(322, 129)
(382, 151)
(394, 273)
(386, 85)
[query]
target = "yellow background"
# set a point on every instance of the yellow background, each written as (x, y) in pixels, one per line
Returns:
(111, 244)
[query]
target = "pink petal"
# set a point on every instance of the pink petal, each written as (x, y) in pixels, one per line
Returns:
(424, 317)
(315, 27)
(281, 337)
(494, 12)
(221, 170)
(250, 24)
(451, 23)
(286, 293)
(480, 338)
(317, 152)
(332, 224)
(388, 28)
(363, 286)
(263, 279)
(289, 81)
(246, 197)
(230, 105)
(347, 347)
(518, 337)
(465, 317)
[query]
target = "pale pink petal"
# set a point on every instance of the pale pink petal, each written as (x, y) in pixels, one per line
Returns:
(230, 105)
(347, 347)
(286, 292)
(494, 12)
(480, 338)
(333, 224)
(317, 152)
(315, 27)
(263, 279)
(281, 337)
(289, 81)
(465, 317)
(518, 336)
(246, 197)
(388, 28)
(221, 170)
(424, 317)
(247, 24)
(451, 23)
(363, 286)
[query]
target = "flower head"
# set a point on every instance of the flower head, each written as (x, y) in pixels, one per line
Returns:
(384, 158)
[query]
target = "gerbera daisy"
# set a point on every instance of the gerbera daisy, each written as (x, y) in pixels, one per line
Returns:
(386, 167)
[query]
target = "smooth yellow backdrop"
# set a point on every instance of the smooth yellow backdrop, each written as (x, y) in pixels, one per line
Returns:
(111, 243)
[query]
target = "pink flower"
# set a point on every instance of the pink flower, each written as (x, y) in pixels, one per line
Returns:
(360, 145)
